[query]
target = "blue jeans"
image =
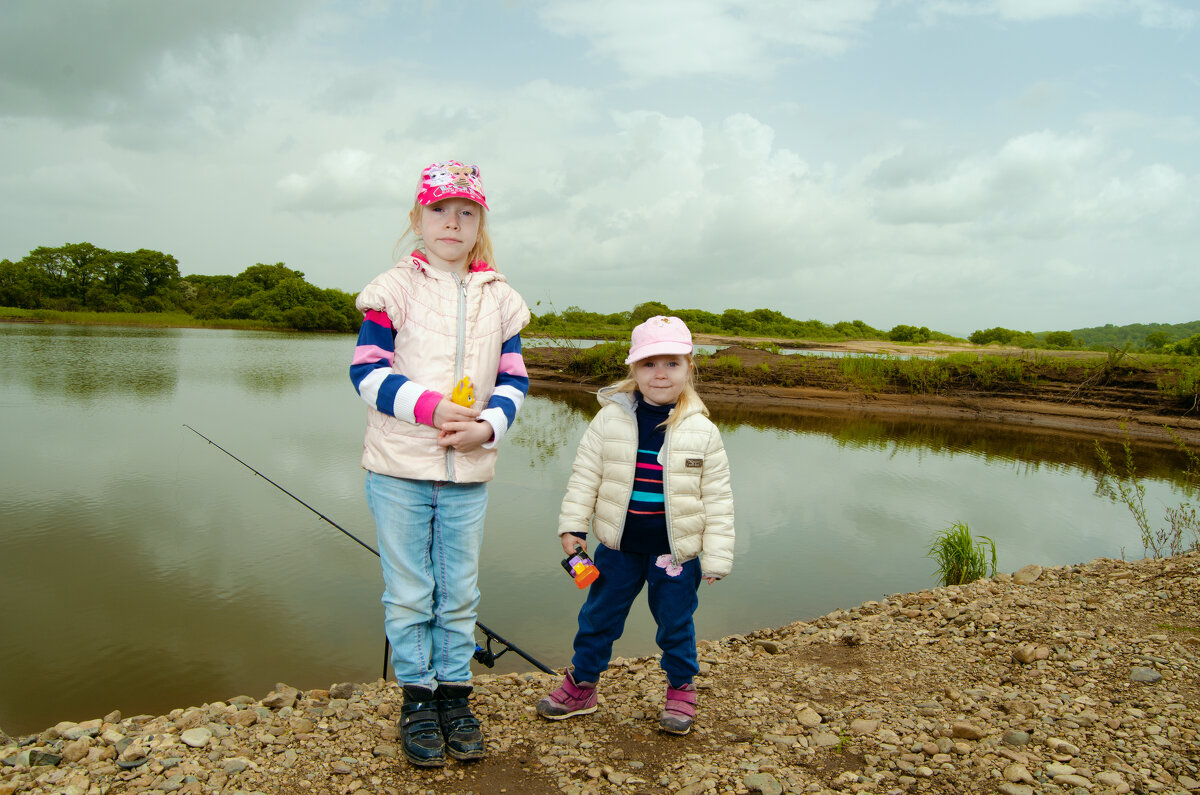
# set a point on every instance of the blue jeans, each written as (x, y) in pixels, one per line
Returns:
(430, 533)
(672, 595)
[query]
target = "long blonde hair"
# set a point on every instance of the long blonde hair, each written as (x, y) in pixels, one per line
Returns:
(688, 398)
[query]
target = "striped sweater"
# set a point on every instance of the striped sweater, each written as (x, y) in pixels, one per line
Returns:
(423, 329)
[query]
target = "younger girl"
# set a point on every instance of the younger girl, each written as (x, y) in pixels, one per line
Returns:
(440, 314)
(652, 480)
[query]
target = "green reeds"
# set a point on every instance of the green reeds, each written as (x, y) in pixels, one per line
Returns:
(606, 361)
(1180, 531)
(960, 558)
(1182, 384)
(867, 373)
(724, 364)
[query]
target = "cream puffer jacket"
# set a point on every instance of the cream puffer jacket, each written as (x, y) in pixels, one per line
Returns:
(696, 483)
(446, 327)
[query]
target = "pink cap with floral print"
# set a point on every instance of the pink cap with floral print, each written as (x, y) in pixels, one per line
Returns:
(448, 180)
(658, 336)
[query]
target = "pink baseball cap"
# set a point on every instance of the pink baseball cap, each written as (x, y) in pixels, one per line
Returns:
(448, 180)
(660, 336)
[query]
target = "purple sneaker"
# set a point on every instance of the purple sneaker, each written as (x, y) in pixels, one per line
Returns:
(679, 710)
(570, 699)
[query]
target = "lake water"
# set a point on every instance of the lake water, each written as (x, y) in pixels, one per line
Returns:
(142, 569)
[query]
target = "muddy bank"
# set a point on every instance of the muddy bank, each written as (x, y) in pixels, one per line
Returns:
(1055, 400)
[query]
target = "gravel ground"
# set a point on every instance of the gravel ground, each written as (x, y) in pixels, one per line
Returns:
(1079, 679)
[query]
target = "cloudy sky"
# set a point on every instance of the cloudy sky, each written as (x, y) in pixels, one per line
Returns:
(958, 164)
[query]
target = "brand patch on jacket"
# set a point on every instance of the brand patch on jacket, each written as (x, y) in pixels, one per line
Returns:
(694, 462)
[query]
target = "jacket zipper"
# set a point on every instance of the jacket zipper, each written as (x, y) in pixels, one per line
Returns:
(459, 356)
(629, 497)
(664, 458)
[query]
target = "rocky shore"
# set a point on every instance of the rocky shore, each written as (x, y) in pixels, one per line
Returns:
(1077, 679)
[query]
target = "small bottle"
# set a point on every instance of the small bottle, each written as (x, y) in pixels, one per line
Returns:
(581, 568)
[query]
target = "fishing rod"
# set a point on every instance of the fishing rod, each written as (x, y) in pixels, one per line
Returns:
(484, 655)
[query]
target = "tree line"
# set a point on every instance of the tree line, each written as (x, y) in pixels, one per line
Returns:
(83, 277)
(1181, 339)
(576, 322)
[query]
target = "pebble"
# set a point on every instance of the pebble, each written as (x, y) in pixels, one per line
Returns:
(1014, 685)
(763, 783)
(1142, 674)
(1027, 574)
(196, 738)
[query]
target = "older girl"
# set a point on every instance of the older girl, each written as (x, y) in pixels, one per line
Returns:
(441, 314)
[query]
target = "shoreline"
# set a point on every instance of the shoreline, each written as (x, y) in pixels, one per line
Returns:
(1036, 415)
(1067, 679)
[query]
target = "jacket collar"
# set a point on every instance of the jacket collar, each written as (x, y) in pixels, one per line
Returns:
(421, 262)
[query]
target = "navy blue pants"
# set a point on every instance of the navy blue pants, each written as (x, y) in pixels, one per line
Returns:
(672, 594)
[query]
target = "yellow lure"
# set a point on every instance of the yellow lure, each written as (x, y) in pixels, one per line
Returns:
(464, 392)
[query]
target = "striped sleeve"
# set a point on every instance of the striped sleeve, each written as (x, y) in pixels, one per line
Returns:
(512, 384)
(376, 383)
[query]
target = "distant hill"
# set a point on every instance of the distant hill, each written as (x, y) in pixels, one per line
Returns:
(1134, 334)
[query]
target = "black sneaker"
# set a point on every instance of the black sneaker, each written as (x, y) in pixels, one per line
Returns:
(460, 727)
(420, 734)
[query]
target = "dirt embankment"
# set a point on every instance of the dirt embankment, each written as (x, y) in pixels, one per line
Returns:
(1062, 391)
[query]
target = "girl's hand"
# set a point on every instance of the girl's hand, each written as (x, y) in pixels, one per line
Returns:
(449, 411)
(464, 436)
(711, 580)
(569, 542)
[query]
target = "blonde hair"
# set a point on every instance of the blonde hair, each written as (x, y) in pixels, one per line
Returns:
(688, 398)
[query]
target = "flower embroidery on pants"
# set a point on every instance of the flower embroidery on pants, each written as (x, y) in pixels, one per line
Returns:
(665, 562)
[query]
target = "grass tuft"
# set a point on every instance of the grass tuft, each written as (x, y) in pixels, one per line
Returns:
(960, 558)
(606, 361)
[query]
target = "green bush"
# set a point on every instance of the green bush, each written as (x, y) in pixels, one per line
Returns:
(726, 364)
(606, 361)
(1060, 339)
(1188, 347)
(998, 334)
(960, 558)
(903, 333)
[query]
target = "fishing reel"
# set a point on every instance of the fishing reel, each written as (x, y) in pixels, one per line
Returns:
(487, 656)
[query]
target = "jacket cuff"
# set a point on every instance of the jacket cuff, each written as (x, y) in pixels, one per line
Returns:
(494, 417)
(425, 406)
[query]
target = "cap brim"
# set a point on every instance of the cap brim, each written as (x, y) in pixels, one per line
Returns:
(426, 198)
(666, 348)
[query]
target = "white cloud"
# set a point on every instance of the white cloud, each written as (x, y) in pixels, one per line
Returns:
(345, 180)
(720, 215)
(722, 38)
(1149, 13)
(1030, 187)
(297, 136)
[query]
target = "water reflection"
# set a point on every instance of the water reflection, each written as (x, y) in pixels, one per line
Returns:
(1028, 447)
(86, 364)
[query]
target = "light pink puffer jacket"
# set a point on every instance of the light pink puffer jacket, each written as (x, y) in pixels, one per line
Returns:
(696, 483)
(445, 329)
